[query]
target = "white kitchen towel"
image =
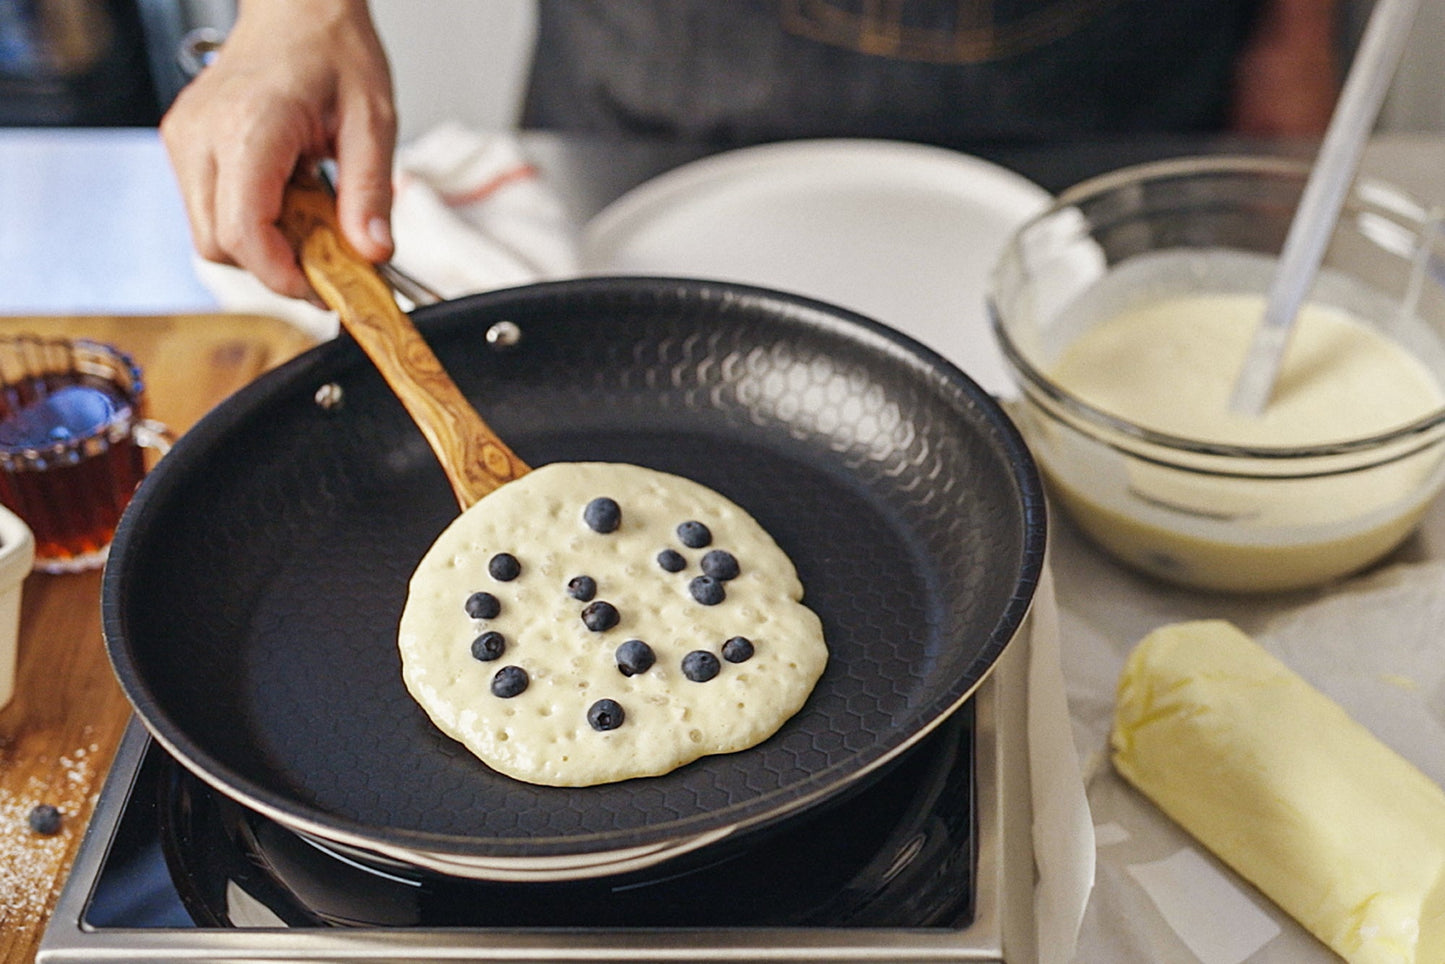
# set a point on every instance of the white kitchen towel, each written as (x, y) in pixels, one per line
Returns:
(1062, 829)
(471, 213)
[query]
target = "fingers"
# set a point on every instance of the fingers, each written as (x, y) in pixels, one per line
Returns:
(248, 195)
(231, 171)
(283, 89)
(365, 141)
(232, 178)
(195, 177)
(195, 172)
(363, 196)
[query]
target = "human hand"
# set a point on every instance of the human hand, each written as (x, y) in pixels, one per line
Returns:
(295, 81)
(1287, 78)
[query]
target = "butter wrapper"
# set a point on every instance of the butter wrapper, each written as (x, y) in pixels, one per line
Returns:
(1280, 783)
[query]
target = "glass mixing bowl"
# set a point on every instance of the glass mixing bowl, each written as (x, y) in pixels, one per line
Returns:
(1210, 512)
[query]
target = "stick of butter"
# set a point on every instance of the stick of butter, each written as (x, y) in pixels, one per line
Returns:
(1272, 776)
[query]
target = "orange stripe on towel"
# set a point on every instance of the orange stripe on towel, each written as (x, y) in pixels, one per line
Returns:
(522, 172)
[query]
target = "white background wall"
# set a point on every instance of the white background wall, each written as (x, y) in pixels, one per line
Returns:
(462, 60)
(1417, 99)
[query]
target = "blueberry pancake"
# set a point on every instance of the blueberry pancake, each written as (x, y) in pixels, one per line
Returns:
(592, 622)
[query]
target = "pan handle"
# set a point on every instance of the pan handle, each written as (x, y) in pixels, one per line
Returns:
(407, 286)
(475, 460)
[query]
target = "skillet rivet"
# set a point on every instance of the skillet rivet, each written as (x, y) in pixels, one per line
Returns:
(329, 396)
(504, 334)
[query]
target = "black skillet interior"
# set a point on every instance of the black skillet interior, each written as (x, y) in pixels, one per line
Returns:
(254, 588)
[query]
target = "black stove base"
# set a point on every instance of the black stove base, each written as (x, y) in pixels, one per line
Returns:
(899, 853)
(908, 868)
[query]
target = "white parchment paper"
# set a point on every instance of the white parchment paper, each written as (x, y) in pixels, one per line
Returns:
(1375, 644)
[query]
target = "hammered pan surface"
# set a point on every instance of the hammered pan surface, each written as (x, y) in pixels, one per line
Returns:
(254, 589)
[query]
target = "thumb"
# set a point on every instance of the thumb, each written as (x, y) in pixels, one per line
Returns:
(363, 200)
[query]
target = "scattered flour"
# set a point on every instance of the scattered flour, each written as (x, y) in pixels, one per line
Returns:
(32, 865)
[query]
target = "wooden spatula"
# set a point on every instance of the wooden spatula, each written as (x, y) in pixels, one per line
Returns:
(475, 460)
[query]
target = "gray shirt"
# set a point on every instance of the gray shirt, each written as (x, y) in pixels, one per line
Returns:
(956, 72)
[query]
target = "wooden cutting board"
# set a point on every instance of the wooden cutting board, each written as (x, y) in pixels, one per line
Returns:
(60, 732)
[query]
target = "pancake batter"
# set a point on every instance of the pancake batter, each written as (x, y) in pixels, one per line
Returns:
(594, 622)
(1170, 365)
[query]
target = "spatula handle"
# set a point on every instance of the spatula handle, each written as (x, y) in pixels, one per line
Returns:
(474, 459)
(1374, 66)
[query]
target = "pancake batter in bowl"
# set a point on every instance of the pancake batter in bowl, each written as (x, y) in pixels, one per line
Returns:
(594, 622)
(1169, 365)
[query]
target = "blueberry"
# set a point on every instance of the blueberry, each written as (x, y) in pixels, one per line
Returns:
(720, 564)
(671, 560)
(582, 588)
(504, 567)
(700, 666)
(707, 590)
(600, 616)
(694, 534)
(45, 820)
(634, 657)
(509, 681)
(602, 514)
(483, 605)
(491, 645)
(739, 649)
(605, 715)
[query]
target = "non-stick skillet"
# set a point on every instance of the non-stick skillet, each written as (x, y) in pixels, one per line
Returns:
(254, 586)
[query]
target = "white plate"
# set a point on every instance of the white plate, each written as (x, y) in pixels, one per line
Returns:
(904, 233)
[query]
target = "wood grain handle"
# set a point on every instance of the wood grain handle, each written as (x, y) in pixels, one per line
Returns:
(475, 460)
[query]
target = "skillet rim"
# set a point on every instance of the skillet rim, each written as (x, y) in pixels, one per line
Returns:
(438, 321)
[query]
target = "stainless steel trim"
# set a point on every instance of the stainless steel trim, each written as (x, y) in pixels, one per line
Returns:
(408, 286)
(68, 941)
